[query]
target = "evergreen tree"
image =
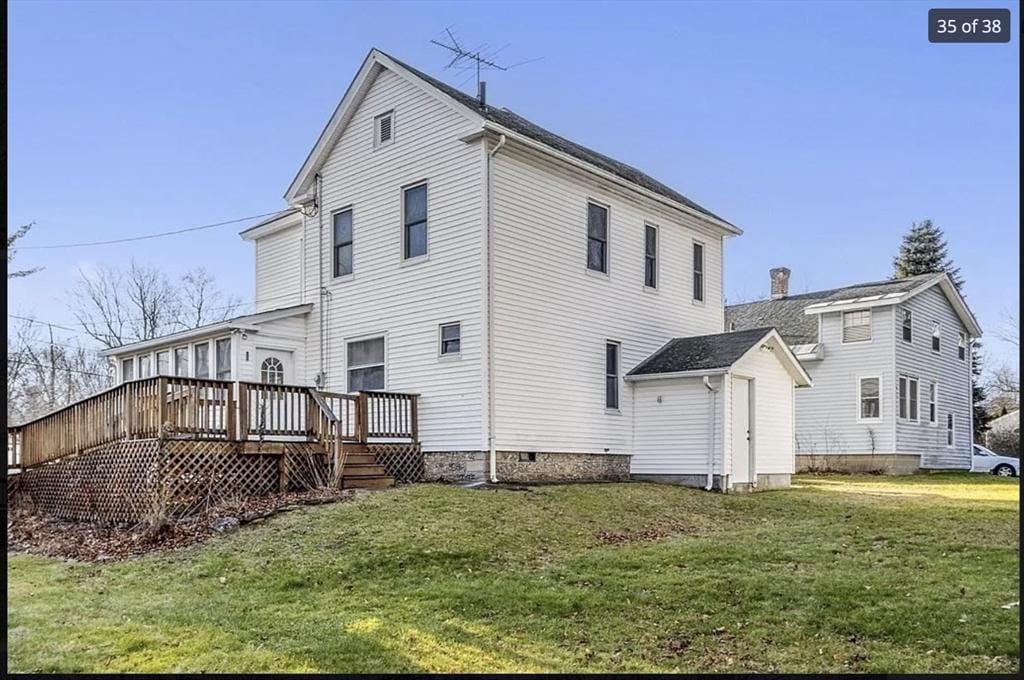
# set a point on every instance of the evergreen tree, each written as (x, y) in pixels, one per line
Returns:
(978, 394)
(924, 251)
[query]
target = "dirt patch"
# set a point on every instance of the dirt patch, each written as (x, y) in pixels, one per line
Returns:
(652, 533)
(44, 535)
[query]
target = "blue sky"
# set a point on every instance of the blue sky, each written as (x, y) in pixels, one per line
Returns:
(822, 129)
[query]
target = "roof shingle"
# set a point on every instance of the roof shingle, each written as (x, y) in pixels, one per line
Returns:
(701, 352)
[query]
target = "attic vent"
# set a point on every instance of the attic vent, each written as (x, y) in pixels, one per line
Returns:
(384, 129)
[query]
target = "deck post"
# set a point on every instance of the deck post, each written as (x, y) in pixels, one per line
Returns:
(243, 412)
(362, 417)
(231, 435)
(414, 426)
(161, 406)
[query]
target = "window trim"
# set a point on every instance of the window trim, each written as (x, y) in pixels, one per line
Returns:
(860, 398)
(414, 259)
(362, 338)
(656, 257)
(703, 272)
(937, 338)
(916, 401)
(377, 143)
(933, 403)
(617, 409)
(335, 276)
(961, 346)
(441, 354)
(907, 326)
(842, 327)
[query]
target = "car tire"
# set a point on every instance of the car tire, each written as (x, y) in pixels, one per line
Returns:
(1004, 470)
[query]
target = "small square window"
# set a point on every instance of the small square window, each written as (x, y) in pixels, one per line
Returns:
(451, 339)
(527, 457)
(384, 129)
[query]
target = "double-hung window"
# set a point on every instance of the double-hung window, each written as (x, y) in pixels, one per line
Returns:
(949, 429)
(936, 337)
(145, 366)
(366, 364)
(870, 398)
(224, 359)
(933, 402)
(343, 243)
(414, 221)
(451, 339)
(908, 398)
(961, 347)
(127, 370)
(698, 272)
(597, 238)
(611, 375)
(908, 326)
(163, 362)
(857, 326)
(650, 256)
(201, 352)
(181, 361)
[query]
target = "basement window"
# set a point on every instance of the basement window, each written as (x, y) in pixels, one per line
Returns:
(527, 457)
(384, 129)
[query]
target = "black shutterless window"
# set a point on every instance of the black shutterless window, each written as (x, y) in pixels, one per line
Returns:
(611, 378)
(698, 272)
(597, 238)
(650, 256)
(414, 217)
(343, 243)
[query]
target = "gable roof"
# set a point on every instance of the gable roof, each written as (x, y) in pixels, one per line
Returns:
(502, 118)
(795, 315)
(714, 353)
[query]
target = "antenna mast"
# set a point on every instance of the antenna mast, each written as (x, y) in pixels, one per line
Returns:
(474, 55)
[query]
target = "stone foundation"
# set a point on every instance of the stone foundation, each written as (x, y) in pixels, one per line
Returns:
(879, 463)
(454, 466)
(562, 467)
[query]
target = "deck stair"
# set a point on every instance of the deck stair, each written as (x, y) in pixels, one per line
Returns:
(361, 470)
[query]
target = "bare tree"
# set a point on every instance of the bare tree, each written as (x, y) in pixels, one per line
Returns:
(12, 239)
(1009, 328)
(117, 307)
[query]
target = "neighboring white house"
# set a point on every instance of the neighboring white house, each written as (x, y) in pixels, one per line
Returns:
(438, 245)
(891, 366)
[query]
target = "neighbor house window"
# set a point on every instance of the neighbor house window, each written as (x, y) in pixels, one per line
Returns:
(202, 356)
(597, 238)
(224, 359)
(163, 362)
(908, 326)
(343, 243)
(272, 371)
(414, 221)
(936, 337)
(908, 398)
(650, 256)
(366, 365)
(384, 129)
(698, 272)
(933, 402)
(127, 369)
(961, 347)
(145, 366)
(949, 429)
(857, 326)
(611, 375)
(181, 361)
(870, 398)
(451, 339)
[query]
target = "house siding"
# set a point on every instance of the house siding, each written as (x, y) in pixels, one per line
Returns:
(826, 413)
(287, 335)
(773, 411)
(552, 316)
(405, 301)
(916, 359)
(673, 436)
(278, 262)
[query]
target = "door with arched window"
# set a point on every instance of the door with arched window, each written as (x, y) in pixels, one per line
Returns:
(274, 366)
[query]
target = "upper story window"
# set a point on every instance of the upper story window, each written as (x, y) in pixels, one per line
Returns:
(698, 272)
(414, 221)
(933, 402)
(908, 326)
(201, 352)
(127, 370)
(181, 361)
(611, 375)
(908, 398)
(451, 339)
(857, 326)
(597, 238)
(936, 337)
(224, 359)
(650, 256)
(949, 429)
(366, 364)
(384, 129)
(961, 347)
(870, 398)
(343, 243)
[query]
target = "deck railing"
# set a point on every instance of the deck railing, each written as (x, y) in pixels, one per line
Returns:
(193, 408)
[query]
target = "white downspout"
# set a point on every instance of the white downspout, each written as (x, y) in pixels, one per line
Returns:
(492, 450)
(712, 399)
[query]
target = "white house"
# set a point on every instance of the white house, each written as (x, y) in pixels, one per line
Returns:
(891, 367)
(512, 278)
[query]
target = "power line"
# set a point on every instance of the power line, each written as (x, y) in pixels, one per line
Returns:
(36, 364)
(152, 236)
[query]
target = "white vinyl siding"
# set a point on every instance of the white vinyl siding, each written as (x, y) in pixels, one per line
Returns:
(674, 426)
(772, 427)
(857, 326)
(278, 275)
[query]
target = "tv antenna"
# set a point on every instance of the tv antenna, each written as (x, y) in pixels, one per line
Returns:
(477, 58)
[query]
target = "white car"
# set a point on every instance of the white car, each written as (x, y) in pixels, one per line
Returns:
(988, 461)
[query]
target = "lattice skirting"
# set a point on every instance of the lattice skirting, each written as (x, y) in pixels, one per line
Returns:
(149, 479)
(404, 461)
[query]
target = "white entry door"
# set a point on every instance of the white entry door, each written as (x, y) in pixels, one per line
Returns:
(275, 366)
(742, 433)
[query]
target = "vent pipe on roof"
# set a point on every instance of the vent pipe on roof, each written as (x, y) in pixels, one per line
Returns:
(481, 94)
(780, 282)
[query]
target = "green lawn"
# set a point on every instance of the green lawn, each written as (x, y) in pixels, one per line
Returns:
(836, 574)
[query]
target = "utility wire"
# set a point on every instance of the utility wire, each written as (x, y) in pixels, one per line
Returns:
(152, 236)
(22, 362)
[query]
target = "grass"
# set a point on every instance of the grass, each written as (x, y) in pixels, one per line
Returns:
(860, 574)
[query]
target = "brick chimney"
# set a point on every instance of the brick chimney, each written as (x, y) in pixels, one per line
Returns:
(780, 282)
